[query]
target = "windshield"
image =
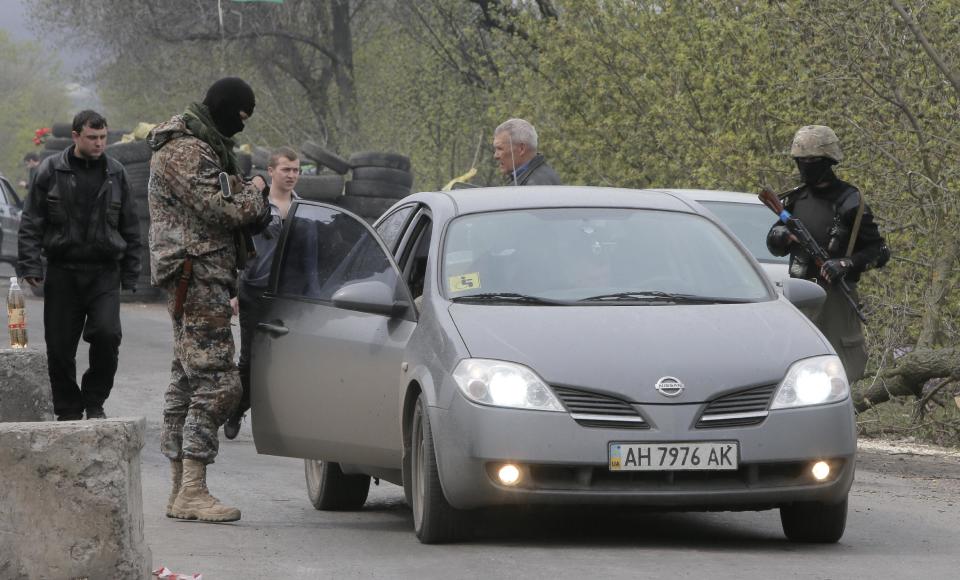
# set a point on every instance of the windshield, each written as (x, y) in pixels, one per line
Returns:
(553, 256)
(750, 222)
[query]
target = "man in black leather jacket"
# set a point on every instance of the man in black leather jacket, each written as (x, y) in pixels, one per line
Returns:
(80, 215)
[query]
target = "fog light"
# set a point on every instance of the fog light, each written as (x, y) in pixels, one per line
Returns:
(509, 474)
(821, 470)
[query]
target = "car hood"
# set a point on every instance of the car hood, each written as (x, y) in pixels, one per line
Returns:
(624, 350)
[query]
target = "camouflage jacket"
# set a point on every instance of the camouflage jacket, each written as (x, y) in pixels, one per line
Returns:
(188, 214)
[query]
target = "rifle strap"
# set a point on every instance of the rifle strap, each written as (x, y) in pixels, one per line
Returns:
(180, 297)
(855, 231)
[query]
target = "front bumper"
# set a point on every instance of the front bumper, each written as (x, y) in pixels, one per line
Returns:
(563, 462)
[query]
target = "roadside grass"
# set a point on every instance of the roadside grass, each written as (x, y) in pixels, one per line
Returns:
(938, 424)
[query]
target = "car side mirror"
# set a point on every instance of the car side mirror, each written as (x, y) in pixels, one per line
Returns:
(807, 296)
(370, 296)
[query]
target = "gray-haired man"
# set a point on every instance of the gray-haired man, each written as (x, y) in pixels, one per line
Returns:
(515, 149)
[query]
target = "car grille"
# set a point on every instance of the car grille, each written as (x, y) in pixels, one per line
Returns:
(747, 407)
(594, 410)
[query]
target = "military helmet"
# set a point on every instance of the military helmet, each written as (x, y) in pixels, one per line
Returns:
(816, 141)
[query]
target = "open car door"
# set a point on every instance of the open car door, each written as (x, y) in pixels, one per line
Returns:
(327, 351)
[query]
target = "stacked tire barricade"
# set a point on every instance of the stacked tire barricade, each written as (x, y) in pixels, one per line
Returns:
(135, 158)
(62, 137)
(365, 183)
(376, 180)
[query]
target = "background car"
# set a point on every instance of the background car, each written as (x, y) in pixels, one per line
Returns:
(10, 209)
(548, 345)
(750, 221)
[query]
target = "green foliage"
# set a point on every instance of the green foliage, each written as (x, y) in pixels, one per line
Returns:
(416, 102)
(33, 97)
(708, 94)
(670, 93)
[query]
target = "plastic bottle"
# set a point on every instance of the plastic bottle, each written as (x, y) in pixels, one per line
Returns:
(16, 315)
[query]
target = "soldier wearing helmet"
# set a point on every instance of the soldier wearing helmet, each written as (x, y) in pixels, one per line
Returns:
(841, 222)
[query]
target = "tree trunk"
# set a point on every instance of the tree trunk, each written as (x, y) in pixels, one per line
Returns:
(343, 69)
(907, 378)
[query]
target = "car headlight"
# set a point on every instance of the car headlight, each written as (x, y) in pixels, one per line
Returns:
(814, 381)
(504, 384)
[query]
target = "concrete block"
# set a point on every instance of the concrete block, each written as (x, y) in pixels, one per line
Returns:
(25, 393)
(71, 504)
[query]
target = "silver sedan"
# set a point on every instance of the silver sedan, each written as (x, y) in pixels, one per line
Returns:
(541, 345)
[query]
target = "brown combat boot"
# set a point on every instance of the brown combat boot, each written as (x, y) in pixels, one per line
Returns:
(176, 474)
(194, 501)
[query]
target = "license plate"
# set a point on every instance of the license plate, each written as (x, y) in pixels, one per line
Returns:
(681, 456)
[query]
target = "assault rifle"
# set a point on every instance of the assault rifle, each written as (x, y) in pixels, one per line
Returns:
(807, 243)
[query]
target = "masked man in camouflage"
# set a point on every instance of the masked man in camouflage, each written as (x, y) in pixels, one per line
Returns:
(194, 257)
(842, 224)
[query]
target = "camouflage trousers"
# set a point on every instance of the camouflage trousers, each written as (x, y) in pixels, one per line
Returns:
(204, 382)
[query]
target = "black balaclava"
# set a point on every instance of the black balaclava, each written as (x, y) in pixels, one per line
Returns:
(815, 171)
(225, 99)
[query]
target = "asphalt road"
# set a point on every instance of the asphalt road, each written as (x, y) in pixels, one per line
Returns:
(903, 523)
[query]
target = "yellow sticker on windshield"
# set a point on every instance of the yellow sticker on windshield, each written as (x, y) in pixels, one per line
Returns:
(464, 282)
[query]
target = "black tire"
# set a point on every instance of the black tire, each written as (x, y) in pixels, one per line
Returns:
(114, 135)
(434, 520)
(62, 130)
(403, 178)
(330, 489)
(366, 207)
(814, 522)
(320, 187)
(260, 157)
(138, 175)
(373, 159)
(132, 152)
(326, 158)
(57, 143)
(143, 213)
(371, 188)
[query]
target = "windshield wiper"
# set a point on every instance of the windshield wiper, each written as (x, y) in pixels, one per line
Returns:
(506, 297)
(658, 295)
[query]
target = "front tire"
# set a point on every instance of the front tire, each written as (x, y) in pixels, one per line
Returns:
(332, 490)
(435, 521)
(814, 522)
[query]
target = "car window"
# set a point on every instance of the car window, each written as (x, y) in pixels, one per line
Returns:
(575, 253)
(325, 249)
(416, 254)
(391, 227)
(750, 222)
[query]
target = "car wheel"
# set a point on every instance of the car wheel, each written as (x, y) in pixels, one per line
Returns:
(814, 522)
(434, 520)
(332, 490)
